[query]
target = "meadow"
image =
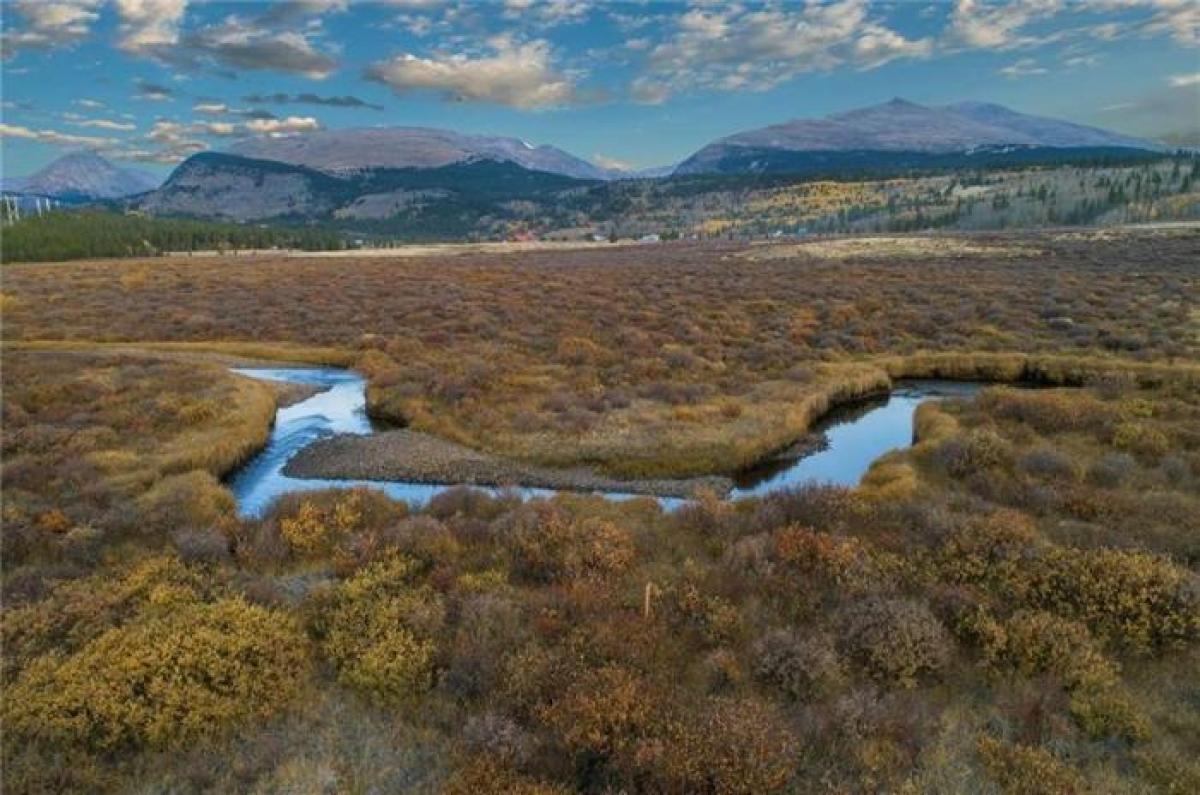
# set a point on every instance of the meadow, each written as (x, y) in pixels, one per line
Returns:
(1011, 605)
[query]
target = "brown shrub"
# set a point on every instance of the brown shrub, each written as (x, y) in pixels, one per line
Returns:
(895, 640)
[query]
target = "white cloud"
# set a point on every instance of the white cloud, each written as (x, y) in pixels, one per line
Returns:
(997, 26)
(519, 75)
(214, 128)
(91, 104)
(735, 48)
(211, 108)
(649, 92)
(547, 13)
(879, 45)
(1183, 81)
(48, 24)
(106, 124)
(54, 137)
(147, 25)
(250, 44)
(1023, 68)
(287, 126)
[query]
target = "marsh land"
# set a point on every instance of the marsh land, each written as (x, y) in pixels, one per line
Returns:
(1010, 604)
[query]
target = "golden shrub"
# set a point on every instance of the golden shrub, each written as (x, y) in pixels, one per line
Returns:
(77, 611)
(547, 544)
(1137, 600)
(845, 561)
(315, 529)
(734, 746)
(488, 777)
(1027, 769)
(609, 711)
(378, 630)
(1141, 439)
(164, 680)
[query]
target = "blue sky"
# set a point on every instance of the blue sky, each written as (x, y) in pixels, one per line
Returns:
(150, 82)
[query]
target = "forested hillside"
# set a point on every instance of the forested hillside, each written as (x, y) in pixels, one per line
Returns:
(98, 233)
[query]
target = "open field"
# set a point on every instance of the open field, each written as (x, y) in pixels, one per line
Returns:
(662, 361)
(1012, 605)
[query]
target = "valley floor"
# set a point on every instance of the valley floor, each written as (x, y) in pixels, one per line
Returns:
(1011, 605)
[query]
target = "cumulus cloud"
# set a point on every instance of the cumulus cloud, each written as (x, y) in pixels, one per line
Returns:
(1023, 68)
(211, 108)
(246, 44)
(54, 137)
(47, 24)
(519, 75)
(310, 99)
(173, 142)
(878, 45)
(90, 104)
(547, 13)
(1183, 81)
(283, 38)
(106, 124)
(986, 25)
(735, 48)
(148, 25)
(288, 126)
(170, 141)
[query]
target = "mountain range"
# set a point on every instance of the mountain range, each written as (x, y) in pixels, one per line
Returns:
(357, 149)
(420, 179)
(904, 134)
(83, 176)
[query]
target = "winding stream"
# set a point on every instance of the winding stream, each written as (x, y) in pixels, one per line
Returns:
(856, 436)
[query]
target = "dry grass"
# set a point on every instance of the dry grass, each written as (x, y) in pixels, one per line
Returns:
(1008, 605)
(657, 360)
(890, 248)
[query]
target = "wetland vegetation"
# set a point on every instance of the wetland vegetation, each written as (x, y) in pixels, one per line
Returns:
(1010, 605)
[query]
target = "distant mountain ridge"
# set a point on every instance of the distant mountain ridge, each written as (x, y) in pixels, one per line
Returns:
(83, 176)
(902, 132)
(231, 187)
(356, 149)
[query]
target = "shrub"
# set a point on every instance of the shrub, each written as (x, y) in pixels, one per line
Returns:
(498, 737)
(1039, 642)
(193, 500)
(895, 640)
(715, 618)
(607, 712)
(1141, 439)
(978, 451)
(548, 545)
(1027, 769)
(77, 611)
(201, 546)
(183, 673)
(841, 561)
(802, 668)
(314, 529)
(1112, 470)
(489, 626)
(733, 746)
(1137, 600)
(1047, 463)
(378, 629)
(487, 777)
